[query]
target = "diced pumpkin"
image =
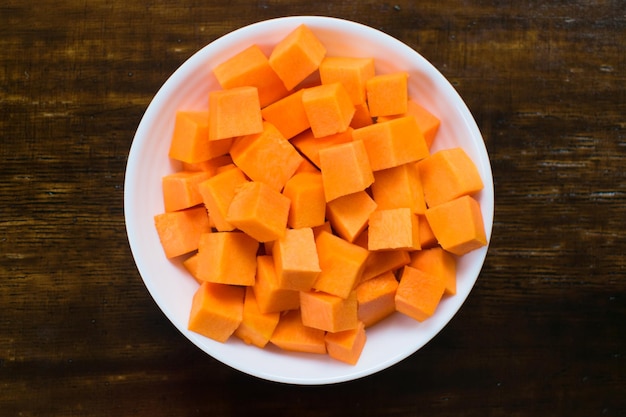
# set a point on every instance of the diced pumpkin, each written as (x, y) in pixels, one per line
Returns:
(251, 67)
(191, 265)
(259, 210)
(291, 335)
(227, 258)
(341, 264)
(306, 193)
(234, 112)
(418, 293)
(296, 260)
(190, 140)
(437, 261)
(399, 187)
(351, 72)
(393, 229)
(362, 116)
(448, 174)
(379, 262)
(216, 310)
(322, 228)
(427, 122)
(328, 108)
(179, 231)
(427, 237)
(387, 94)
(288, 115)
(269, 296)
(392, 143)
(345, 169)
(297, 56)
(328, 312)
(256, 327)
(210, 165)
(266, 156)
(310, 146)
(346, 346)
(458, 225)
(307, 166)
(349, 215)
(180, 189)
(217, 194)
(376, 298)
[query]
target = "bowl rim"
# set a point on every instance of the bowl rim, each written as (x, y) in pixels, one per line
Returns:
(131, 184)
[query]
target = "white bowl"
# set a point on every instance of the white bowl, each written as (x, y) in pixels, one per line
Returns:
(171, 286)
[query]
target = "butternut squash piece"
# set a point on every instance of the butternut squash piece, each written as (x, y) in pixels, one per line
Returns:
(307, 166)
(376, 298)
(179, 231)
(427, 122)
(227, 258)
(190, 140)
(218, 192)
(256, 327)
(379, 262)
(225, 168)
(259, 211)
(210, 165)
(341, 264)
(393, 229)
(387, 94)
(392, 143)
(306, 193)
(351, 72)
(251, 68)
(398, 187)
(345, 169)
(269, 296)
(291, 335)
(328, 312)
(180, 189)
(346, 346)
(322, 228)
(266, 156)
(296, 260)
(448, 174)
(310, 146)
(427, 237)
(216, 310)
(288, 115)
(297, 56)
(418, 293)
(362, 116)
(191, 265)
(437, 261)
(349, 215)
(234, 112)
(328, 108)
(458, 225)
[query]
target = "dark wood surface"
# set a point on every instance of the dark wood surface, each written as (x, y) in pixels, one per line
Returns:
(542, 333)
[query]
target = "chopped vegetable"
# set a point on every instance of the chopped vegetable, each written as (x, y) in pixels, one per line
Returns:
(308, 212)
(216, 310)
(418, 293)
(297, 56)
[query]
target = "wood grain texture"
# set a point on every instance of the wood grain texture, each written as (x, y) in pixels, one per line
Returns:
(541, 334)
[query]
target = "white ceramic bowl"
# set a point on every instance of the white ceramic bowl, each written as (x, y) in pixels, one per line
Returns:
(170, 285)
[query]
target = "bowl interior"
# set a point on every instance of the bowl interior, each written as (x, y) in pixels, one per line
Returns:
(171, 286)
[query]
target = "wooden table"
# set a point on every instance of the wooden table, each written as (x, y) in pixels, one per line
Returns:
(543, 332)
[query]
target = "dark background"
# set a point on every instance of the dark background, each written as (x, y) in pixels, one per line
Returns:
(542, 333)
